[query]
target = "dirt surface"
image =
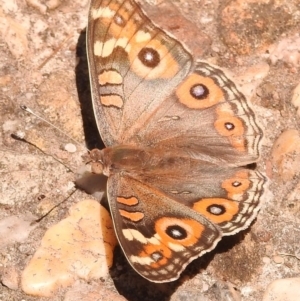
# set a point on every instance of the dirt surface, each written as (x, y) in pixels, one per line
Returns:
(44, 66)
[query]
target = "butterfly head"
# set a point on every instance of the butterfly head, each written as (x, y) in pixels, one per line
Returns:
(95, 158)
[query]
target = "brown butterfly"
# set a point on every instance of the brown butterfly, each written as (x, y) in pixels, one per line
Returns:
(179, 136)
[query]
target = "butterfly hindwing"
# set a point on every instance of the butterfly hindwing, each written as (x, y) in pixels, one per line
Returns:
(205, 117)
(158, 238)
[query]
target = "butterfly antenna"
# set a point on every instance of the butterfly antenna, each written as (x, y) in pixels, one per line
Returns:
(53, 208)
(19, 136)
(28, 110)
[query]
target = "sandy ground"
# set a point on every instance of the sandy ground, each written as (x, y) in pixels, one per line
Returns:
(44, 66)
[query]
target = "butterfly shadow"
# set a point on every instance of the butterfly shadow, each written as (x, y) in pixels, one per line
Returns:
(93, 184)
(128, 281)
(134, 287)
(91, 133)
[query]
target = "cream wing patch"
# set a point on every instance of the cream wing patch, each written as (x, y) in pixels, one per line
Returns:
(106, 49)
(111, 77)
(142, 36)
(112, 100)
(131, 234)
(102, 12)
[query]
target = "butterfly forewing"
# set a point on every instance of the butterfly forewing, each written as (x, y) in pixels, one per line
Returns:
(133, 65)
(142, 76)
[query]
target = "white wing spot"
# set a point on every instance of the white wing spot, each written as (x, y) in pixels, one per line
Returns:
(102, 12)
(142, 36)
(141, 260)
(131, 234)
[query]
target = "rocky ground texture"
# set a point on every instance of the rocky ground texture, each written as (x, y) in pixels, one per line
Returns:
(57, 242)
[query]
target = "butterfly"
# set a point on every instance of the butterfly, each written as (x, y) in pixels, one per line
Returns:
(179, 137)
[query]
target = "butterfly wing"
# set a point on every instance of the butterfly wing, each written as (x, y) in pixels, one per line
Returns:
(147, 91)
(133, 66)
(228, 197)
(197, 127)
(205, 117)
(158, 238)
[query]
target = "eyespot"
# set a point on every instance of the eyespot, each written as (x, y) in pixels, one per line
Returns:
(157, 256)
(216, 209)
(229, 126)
(199, 91)
(149, 57)
(236, 184)
(119, 20)
(176, 232)
(181, 232)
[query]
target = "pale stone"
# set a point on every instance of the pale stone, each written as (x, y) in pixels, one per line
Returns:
(286, 50)
(252, 78)
(283, 290)
(286, 154)
(70, 147)
(78, 247)
(9, 276)
(15, 229)
(278, 259)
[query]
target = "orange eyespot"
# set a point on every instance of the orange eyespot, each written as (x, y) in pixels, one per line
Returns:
(185, 232)
(218, 210)
(199, 92)
(230, 126)
(159, 253)
(238, 184)
(150, 59)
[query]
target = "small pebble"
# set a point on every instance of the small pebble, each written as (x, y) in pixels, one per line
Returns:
(286, 154)
(70, 147)
(266, 260)
(278, 259)
(10, 277)
(283, 290)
